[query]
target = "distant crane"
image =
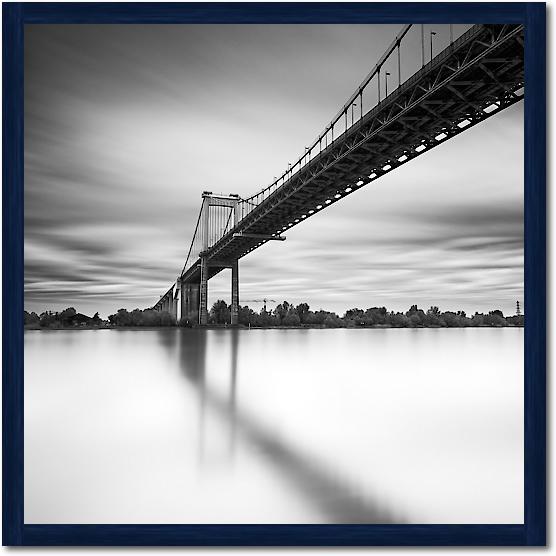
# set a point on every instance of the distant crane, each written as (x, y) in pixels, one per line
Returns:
(260, 301)
(518, 310)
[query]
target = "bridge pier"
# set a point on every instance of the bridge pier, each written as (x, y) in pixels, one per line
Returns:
(189, 300)
(194, 290)
(177, 306)
(177, 297)
(203, 293)
(183, 299)
(173, 306)
(235, 293)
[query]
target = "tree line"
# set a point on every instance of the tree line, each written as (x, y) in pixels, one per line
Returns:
(60, 319)
(141, 317)
(284, 315)
(70, 318)
(288, 315)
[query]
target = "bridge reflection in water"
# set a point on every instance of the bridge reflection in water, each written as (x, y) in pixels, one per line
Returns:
(274, 426)
(333, 495)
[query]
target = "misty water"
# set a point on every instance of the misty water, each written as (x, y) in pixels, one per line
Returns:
(274, 426)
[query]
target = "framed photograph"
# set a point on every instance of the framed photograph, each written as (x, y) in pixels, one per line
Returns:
(274, 274)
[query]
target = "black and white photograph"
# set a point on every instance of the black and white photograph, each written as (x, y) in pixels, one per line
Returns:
(274, 273)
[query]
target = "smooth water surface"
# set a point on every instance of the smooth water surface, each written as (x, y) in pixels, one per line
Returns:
(274, 426)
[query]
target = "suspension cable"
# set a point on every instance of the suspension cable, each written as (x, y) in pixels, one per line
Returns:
(193, 240)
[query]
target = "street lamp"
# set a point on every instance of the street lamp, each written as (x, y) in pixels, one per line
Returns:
(387, 74)
(352, 106)
(432, 34)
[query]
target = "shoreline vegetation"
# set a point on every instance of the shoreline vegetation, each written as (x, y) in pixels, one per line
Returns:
(285, 315)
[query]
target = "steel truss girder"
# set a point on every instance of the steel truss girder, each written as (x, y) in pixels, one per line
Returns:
(436, 100)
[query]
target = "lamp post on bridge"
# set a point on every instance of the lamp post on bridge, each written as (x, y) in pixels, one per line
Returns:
(386, 77)
(432, 35)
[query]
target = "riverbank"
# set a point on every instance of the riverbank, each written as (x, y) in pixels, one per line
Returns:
(243, 327)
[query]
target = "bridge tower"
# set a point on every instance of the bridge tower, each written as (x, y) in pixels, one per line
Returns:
(219, 214)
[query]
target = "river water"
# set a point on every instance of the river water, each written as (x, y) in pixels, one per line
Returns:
(274, 426)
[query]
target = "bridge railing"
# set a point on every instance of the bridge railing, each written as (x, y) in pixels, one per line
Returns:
(413, 48)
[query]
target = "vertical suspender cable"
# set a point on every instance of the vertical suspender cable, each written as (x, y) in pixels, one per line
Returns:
(422, 45)
(399, 67)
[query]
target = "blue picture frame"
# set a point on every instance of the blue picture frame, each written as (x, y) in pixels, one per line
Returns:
(532, 532)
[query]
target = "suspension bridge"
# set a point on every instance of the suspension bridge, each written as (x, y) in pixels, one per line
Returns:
(431, 99)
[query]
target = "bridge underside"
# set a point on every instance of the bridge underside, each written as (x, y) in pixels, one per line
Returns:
(479, 75)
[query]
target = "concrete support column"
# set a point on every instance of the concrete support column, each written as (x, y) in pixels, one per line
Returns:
(194, 302)
(203, 293)
(183, 299)
(177, 301)
(189, 302)
(173, 306)
(235, 292)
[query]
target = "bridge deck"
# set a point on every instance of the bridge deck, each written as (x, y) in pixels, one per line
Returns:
(479, 75)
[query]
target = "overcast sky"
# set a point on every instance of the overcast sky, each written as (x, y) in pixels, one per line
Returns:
(126, 125)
